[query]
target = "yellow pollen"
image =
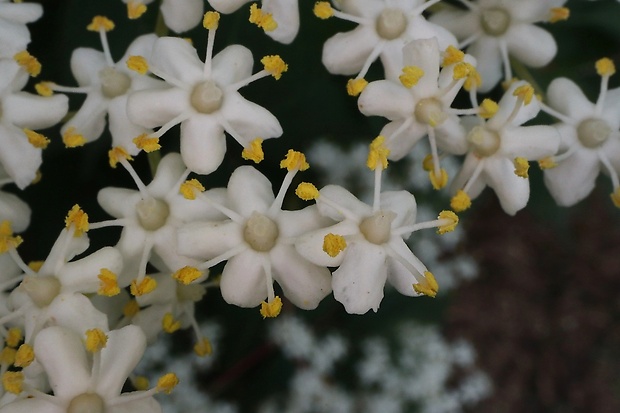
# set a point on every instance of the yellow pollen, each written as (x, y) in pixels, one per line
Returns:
(100, 23)
(452, 217)
(557, 14)
(615, 197)
(429, 287)
(525, 92)
(135, 9)
(169, 324)
(323, 10)
(187, 275)
(411, 76)
(473, 80)
(605, 67)
(263, 20)
(44, 88)
(190, 187)
(145, 286)
(488, 109)
(254, 152)
(24, 356)
(116, 154)
(271, 309)
(274, 65)
(211, 20)
(356, 86)
(438, 182)
(461, 70)
(547, 163)
(203, 347)
(460, 202)
(35, 265)
(7, 356)
(28, 62)
(96, 340)
(334, 244)
(138, 64)
(109, 283)
(167, 383)
(131, 308)
(36, 139)
(37, 177)
(377, 154)
(307, 191)
(8, 241)
(146, 143)
(294, 160)
(427, 163)
(140, 383)
(452, 55)
(14, 337)
(12, 381)
(521, 167)
(72, 139)
(79, 219)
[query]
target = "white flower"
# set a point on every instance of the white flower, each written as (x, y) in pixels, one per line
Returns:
(179, 15)
(14, 35)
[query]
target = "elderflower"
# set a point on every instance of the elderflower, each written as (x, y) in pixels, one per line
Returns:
(14, 35)
(179, 15)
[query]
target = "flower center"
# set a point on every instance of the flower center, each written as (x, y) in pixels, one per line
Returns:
(592, 133)
(86, 403)
(391, 23)
(377, 227)
(152, 213)
(430, 111)
(41, 289)
(484, 142)
(260, 232)
(206, 97)
(113, 82)
(495, 21)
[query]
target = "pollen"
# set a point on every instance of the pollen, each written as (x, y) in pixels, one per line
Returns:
(427, 163)
(521, 167)
(131, 308)
(488, 109)
(35, 265)
(323, 10)
(525, 92)
(461, 70)
(100, 23)
(460, 202)
(108, 283)
(12, 381)
(36, 139)
(145, 286)
(169, 324)
(211, 20)
(140, 383)
(14, 336)
(615, 197)
(7, 356)
(263, 20)
(411, 76)
(557, 14)
(271, 309)
(452, 219)
(334, 244)
(146, 143)
(72, 139)
(473, 80)
(187, 275)
(116, 154)
(452, 55)
(547, 163)
(79, 219)
(307, 191)
(28, 62)
(377, 154)
(605, 67)
(429, 287)
(8, 241)
(203, 347)
(96, 340)
(274, 65)
(190, 187)
(167, 382)
(440, 181)
(254, 152)
(44, 88)
(138, 64)
(135, 9)
(294, 160)
(356, 86)
(24, 356)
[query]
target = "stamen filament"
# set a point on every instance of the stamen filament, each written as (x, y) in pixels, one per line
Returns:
(286, 183)
(171, 123)
(371, 58)
(602, 94)
(209, 54)
(422, 225)
(350, 17)
(222, 257)
(106, 47)
(560, 116)
(224, 210)
(424, 6)
(503, 48)
(268, 277)
(256, 76)
(144, 193)
(474, 176)
(149, 241)
(120, 222)
(376, 202)
(20, 263)
(414, 267)
(610, 169)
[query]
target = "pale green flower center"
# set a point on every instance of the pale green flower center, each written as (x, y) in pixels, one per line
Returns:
(377, 228)
(495, 21)
(206, 97)
(113, 82)
(593, 132)
(430, 112)
(391, 23)
(86, 403)
(483, 141)
(152, 213)
(41, 289)
(260, 232)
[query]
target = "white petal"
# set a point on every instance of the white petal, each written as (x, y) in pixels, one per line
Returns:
(89, 120)
(451, 136)
(295, 223)
(152, 108)
(310, 245)
(203, 144)
(398, 275)
(574, 178)
(227, 6)
(19, 158)
(21, 12)
(512, 190)
(566, 97)
(122, 129)
(346, 53)
(82, 275)
(388, 99)
(424, 53)
(249, 191)
(119, 202)
(25, 110)
(147, 405)
(175, 59)
(403, 204)
(169, 171)
(86, 63)
(32, 405)
(76, 312)
(14, 210)
(182, 15)
(530, 44)
(248, 120)
(141, 46)
(486, 50)
(232, 65)
(14, 37)
(530, 142)
(420, 28)
(286, 15)
(206, 240)
(401, 145)
(461, 23)
(243, 280)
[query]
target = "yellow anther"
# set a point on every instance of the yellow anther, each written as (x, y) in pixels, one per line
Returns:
(605, 67)
(135, 9)
(525, 92)
(12, 381)
(211, 20)
(190, 187)
(323, 10)
(411, 76)
(167, 383)
(254, 152)
(460, 202)
(145, 286)
(521, 167)
(427, 163)
(263, 20)
(615, 197)
(547, 163)
(35, 265)
(28, 62)
(488, 108)
(72, 139)
(169, 324)
(452, 55)
(36, 139)
(8, 241)
(307, 191)
(473, 80)
(138, 64)
(44, 88)
(428, 287)
(116, 154)
(356, 86)
(377, 154)
(187, 275)
(131, 308)
(37, 177)
(96, 340)
(274, 65)
(440, 181)
(146, 143)
(141, 383)
(100, 23)
(203, 347)
(271, 309)
(294, 160)
(451, 225)
(109, 283)
(334, 244)
(79, 219)
(557, 14)
(13, 337)
(7, 356)
(461, 70)
(24, 356)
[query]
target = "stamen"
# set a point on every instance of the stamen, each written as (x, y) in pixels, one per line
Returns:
(102, 25)
(28, 62)
(547, 163)
(461, 201)
(557, 14)
(254, 152)
(605, 68)
(169, 324)
(223, 257)
(116, 154)
(138, 288)
(187, 275)
(7, 240)
(429, 288)
(377, 154)
(263, 20)
(24, 356)
(109, 283)
(72, 139)
(451, 56)
(521, 167)
(411, 76)
(274, 65)
(190, 188)
(323, 10)
(203, 347)
(167, 383)
(334, 244)
(272, 308)
(12, 381)
(356, 86)
(135, 9)
(77, 219)
(96, 340)
(36, 139)
(138, 64)
(14, 337)
(44, 88)
(307, 191)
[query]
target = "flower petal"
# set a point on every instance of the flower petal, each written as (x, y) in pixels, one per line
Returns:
(401, 145)
(388, 99)
(248, 120)
(82, 275)
(249, 191)
(227, 6)
(243, 280)
(403, 204)
(176, 61)
(169, 171)
(310, 245)
(182, 15)
(345, 53)
(122, 129)
(206, 240)
(530, 44)
(19, 158)
(574, 178)
(566, 97)
(489, 64)
(512, 190)
(530, 142)
(26, 110)
(152, 108)
(86, 63)
(286, 15)
(203, 144)
(233, 64)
